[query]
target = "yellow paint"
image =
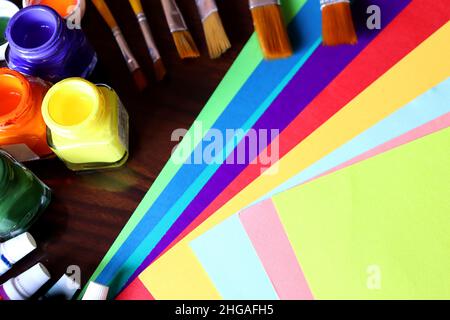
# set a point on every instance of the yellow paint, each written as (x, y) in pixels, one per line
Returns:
(85, 129)
(422, 69)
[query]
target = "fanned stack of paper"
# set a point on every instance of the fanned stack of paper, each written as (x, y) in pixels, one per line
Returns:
(346, 194)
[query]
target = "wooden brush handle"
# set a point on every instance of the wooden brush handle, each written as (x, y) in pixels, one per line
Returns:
(137, 6)
(105, 13)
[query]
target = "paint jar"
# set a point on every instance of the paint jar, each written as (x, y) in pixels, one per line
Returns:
(22, 128)
(23, 197)
(68, 9)
(42, 45)
(7, 10)
(87, 125)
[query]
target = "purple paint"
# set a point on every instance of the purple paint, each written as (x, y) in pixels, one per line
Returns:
(42, 45)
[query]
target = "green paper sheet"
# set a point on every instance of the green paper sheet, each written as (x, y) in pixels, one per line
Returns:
(247, 61)
(379, 229)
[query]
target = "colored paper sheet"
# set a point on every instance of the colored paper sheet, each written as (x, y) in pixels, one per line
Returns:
(379, 229)
(187, 281)
(426, 108)
(397, 36)
(249, 59)
(275, 252)
(264, 228)
(256, 95)
(135, 291)
(322, 67)
(422, 69)
(438, 124)
(261, 220)
(227, 255)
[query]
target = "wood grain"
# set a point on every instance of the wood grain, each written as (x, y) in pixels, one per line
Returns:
(89, 210)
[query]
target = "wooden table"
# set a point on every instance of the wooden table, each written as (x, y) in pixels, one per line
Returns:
(89, 210)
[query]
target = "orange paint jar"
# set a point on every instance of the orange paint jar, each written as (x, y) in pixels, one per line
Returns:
(22, 129)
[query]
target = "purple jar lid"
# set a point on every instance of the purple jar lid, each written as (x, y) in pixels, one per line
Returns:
(42, 44)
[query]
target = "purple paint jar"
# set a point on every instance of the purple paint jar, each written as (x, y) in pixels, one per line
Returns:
(42, 45)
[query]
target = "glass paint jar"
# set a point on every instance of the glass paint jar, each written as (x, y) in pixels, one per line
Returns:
(42, 45)
(23, 197)
(87, 125)
(22, 128)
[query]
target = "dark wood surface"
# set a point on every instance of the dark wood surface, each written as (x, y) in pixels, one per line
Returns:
(89, 210)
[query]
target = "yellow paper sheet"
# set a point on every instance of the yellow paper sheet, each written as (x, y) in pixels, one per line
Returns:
(419, 71)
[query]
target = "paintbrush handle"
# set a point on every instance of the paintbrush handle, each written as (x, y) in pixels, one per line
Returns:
(154, 53)
(126, 52)
(105, 13)
(173, 15)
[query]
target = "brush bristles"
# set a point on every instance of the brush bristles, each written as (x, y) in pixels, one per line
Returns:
(271, 31)
(216, 38)
(139, 79)
(185, 44)
(160, 70)
(337, 25)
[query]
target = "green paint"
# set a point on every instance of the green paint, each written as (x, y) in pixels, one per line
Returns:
(3, 23)
(23, 197)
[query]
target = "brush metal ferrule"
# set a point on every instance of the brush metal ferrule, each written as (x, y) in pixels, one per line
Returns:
(324, 3)
(206, 8)
(261, 3)
(126, 52)
(173, 15)
(153, 50)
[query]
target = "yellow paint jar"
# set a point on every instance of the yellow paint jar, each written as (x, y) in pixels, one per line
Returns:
(87, 125)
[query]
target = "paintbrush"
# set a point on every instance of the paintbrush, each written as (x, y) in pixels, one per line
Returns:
(133, 66)
(270, 28)
(337, 23)
(182, 37)
(216, 38)
(158, 65)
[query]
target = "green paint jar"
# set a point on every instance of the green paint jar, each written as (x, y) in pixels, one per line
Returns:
(3, 24)
(23, 197)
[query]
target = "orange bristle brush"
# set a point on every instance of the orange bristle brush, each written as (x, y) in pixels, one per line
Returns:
(215, 35)
(184, 42)
(270, 28)
(337, 23)
(133, 66)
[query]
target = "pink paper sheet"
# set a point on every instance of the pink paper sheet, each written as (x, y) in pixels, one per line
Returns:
(264, 228)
